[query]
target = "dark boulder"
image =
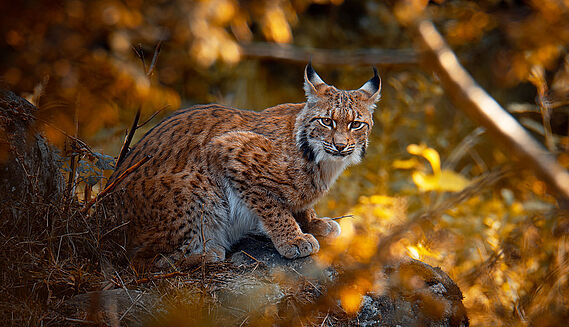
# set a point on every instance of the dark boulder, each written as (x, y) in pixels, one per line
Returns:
(256, 285)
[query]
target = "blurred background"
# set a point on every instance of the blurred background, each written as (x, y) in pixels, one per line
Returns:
(88, 66)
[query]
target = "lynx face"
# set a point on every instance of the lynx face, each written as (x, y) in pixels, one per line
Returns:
(335, 124)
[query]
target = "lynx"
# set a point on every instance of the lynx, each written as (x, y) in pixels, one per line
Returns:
(218, 173)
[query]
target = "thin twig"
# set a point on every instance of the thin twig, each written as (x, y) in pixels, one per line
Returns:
(154, 58)
(111, 186)
(537, 78)
(140, 54)
(153, 115)
(341, 217)
(325, 318)
(136, 301)
(250, 256)
(134, 126)
(244, 321)
(128, 139)
(115, 228)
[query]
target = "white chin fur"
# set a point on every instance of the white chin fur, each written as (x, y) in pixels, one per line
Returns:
(322, 155)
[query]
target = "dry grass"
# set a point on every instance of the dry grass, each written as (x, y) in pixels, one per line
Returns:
(48, 255)
(53, 252)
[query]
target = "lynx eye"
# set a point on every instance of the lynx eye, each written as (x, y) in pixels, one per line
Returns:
(355, 125)
(327, 122)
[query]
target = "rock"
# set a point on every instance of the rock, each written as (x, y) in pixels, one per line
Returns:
(255, 283)
(29, 170)
(415, 294)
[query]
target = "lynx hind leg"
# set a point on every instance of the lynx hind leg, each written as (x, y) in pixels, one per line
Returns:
(182, 222)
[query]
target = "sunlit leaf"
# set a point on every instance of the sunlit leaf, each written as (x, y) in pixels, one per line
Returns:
(446, 181)
(412, 163)
(428, 153)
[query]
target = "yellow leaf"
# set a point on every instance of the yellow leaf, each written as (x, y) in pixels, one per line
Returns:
(451, 181)
(428, 153)
(434, 159)
(406, 164)
(416, 149)
(424, 182)
(446, 181)
(381, 199)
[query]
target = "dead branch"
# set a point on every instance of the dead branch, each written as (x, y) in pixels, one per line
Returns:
(128, 139)
(329, 57)
(468, 96)
(250, 256)
(537, 78)
(111, 186)
(154, 58)
(153, 115)
(342, 217)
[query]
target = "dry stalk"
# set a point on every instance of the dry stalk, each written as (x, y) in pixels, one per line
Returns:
(537, 78)
(128, 138)
(342, 217)
(134, 126)
(153, 115)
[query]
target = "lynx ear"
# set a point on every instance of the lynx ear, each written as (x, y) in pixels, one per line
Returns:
(311, 82)
(372, 89)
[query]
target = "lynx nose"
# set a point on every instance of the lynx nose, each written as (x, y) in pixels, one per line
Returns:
(340, 146)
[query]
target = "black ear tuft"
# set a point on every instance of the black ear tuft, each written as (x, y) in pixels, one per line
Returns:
(311, 82)
(375, 80)
(310, 71)
(373, 86)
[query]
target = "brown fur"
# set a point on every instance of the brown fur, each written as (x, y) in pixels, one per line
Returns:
(218, 173)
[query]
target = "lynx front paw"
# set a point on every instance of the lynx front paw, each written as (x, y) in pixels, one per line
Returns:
(301, 246)
(324, 227)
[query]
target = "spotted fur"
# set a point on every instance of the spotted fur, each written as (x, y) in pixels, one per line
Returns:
(218, 173)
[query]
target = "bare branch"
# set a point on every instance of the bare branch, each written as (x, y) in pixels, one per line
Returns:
(153, 115)
(154, 58)
(537, 78)
(342, 217)
(468, 96)
(140, 54)
(329, 57)
(128, 139)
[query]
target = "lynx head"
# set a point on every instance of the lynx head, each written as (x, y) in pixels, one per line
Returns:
(335, 124)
